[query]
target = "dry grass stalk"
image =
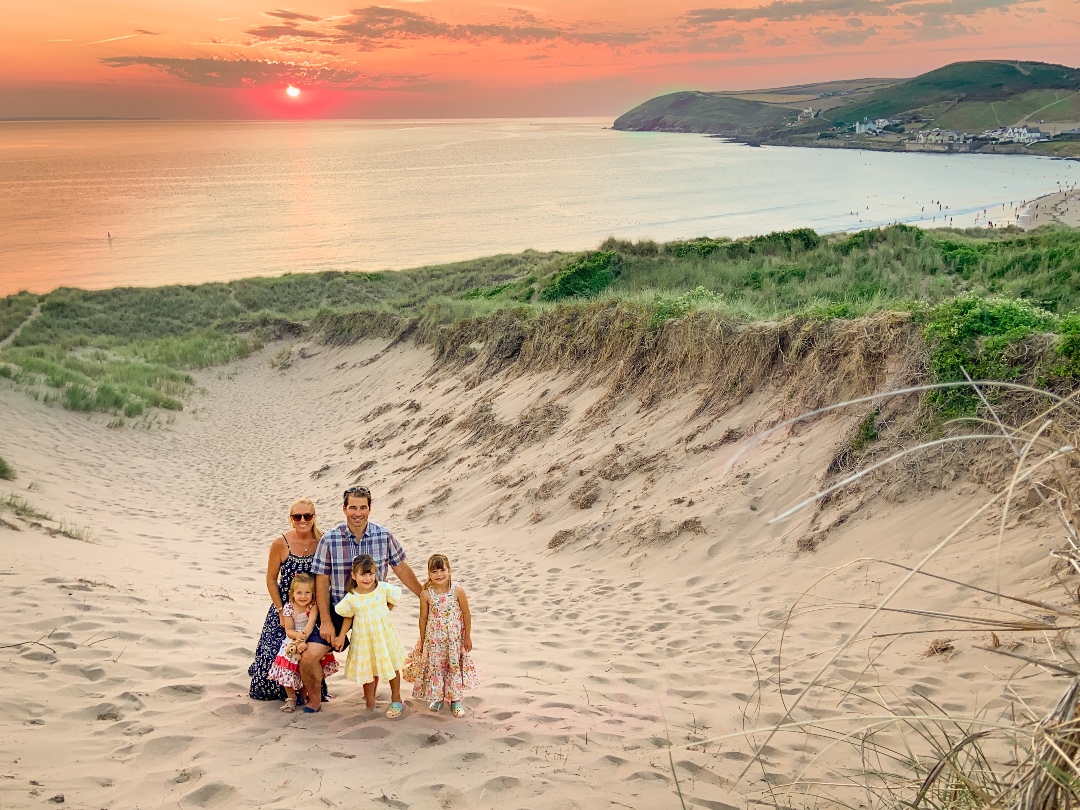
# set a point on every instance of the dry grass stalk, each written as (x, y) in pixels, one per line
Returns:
(964, 775)
(1050, 779)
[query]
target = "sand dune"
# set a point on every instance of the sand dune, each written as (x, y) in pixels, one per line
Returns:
(626, 589)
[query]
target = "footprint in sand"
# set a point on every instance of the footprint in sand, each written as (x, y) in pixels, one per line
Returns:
(367, 733)
(210, 795)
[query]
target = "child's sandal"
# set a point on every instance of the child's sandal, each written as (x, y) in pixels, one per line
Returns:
(457, 709)
(435, 705)
(290, 705)
(395, 711)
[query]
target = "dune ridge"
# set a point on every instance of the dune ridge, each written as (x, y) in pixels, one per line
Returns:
(610, 520)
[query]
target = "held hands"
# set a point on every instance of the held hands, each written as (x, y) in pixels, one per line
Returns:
(337, 642)
(326, 632)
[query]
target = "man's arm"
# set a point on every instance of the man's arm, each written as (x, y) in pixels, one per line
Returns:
(408, 578)
(322, 598)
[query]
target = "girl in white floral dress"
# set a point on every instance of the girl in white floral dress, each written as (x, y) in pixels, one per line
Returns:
(440, 667)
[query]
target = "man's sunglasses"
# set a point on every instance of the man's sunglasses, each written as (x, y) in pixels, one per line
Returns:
(302, 516)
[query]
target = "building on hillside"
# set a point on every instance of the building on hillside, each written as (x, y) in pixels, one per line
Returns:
(1021, 134)
(866, 127)
(942, 136)
(808, 114)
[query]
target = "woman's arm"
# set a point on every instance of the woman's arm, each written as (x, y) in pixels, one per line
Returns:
(423, 616)
(273, 568)
(466, 617)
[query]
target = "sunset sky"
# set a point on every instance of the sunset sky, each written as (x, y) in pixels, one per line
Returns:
(465, 58)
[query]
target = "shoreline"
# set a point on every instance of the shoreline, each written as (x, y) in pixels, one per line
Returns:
(1060, 206)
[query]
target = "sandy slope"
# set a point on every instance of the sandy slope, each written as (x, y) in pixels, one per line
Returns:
(649, 622)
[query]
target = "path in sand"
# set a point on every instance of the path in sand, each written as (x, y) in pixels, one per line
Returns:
(592, 656)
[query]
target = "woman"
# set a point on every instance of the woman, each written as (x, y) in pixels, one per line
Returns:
(290, 554)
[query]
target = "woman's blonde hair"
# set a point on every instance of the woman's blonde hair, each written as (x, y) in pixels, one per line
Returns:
(302, 579)
(438, 562)
(315, 530)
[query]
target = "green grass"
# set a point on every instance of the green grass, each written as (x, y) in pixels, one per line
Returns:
(13, 311)
(697, 111)
(971, 81)
(21, 507)
(1041, 105)
(128, 350)
(7, 472)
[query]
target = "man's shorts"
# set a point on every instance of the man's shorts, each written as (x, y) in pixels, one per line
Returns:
(315, 638)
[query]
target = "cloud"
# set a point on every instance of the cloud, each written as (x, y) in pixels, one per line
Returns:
(848, 37)
(724, 43)
(284, 30)
(778, 10)
(787, 10)
(381, 23)
(138, 33)
(291, 15)
(208, 72)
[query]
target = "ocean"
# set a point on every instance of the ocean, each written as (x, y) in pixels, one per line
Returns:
(116, 203)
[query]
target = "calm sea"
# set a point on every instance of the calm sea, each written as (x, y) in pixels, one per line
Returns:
(102, 204)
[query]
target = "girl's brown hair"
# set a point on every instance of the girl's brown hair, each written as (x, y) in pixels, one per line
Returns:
(310, 504)
(302, 579)
(438, 562)
(365, 564)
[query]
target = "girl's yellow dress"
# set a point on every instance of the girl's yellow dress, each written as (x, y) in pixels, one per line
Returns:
(374, 647)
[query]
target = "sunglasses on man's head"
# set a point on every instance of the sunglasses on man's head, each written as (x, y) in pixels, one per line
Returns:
(357, 491)
(302, 516)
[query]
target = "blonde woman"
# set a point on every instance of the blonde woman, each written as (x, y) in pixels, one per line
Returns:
(291, 553)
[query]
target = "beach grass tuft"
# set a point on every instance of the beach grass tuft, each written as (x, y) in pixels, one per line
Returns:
(7, 472)
(21, 507)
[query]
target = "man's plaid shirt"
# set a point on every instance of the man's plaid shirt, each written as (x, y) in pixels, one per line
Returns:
(338, 546)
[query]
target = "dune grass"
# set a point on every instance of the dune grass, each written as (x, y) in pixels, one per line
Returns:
(13, 311)
(127, 349)
(7, 472)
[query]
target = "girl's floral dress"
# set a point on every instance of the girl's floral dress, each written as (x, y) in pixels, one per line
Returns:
(438, 666)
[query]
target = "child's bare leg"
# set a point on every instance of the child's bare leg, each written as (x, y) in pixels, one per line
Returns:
(290, 699)
(369, 694)
(395, 688)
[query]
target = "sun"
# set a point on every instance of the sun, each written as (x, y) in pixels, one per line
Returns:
(292, 91)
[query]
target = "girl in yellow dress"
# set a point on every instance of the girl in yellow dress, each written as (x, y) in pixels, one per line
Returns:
(375, 650)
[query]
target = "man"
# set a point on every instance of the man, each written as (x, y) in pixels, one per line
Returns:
(332, 567)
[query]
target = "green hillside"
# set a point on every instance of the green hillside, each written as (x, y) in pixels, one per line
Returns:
(1032, 107)
(695, 111)
(966, 82)
(968, 96)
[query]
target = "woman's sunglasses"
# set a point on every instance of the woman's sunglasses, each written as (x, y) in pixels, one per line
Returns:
(302, 516)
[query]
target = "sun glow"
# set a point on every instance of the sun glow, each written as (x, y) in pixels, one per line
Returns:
(292, 91)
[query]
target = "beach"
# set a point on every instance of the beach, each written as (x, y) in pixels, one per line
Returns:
(1062, 207)
(636, 615)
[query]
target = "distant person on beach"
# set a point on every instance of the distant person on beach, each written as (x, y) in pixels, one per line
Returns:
(375, 650)
(291, 553)
(297, 619)
(332, 568)
(439, 666)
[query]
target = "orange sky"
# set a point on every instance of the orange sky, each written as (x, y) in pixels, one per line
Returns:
(233, 58)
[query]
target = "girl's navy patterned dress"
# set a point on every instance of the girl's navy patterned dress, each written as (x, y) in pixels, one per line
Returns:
(273, 634)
